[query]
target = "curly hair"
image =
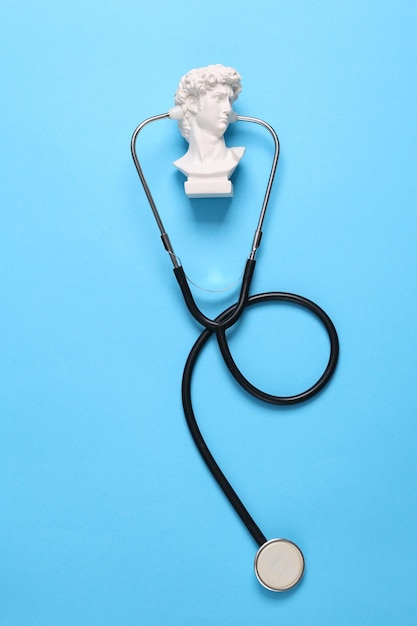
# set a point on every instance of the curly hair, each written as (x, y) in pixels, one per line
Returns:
(197, 82)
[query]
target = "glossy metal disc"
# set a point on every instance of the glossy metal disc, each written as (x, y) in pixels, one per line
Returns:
(279, 564)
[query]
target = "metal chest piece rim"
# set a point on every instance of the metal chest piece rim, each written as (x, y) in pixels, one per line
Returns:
(279, 565)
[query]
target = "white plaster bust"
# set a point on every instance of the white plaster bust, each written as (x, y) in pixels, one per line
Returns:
(204, 100)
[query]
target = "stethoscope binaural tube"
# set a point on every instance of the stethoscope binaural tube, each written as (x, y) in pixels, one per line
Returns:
(234, 314)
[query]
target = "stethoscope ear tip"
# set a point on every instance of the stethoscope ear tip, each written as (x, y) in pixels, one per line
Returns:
(176, 113)
(279, 565)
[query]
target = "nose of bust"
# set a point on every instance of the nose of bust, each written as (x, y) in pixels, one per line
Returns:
(227, 106)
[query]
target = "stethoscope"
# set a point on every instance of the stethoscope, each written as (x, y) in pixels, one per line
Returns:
(279, 563)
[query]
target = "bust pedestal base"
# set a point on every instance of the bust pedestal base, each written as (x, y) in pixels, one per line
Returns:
(208, 188)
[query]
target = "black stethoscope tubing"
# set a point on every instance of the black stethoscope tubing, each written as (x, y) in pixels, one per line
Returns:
(199, 441)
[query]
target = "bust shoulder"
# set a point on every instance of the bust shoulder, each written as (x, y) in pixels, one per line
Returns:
(238, 152)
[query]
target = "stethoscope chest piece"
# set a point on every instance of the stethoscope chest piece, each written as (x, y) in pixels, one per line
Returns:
(279, 565)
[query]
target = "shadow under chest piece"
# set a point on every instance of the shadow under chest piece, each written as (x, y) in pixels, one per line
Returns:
(204, 109)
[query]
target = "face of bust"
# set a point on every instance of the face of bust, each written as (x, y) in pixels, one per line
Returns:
(214, 110)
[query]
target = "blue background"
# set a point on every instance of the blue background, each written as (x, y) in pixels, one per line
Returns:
(108, 516)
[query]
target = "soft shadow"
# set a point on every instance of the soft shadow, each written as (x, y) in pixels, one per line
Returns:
(210, 210)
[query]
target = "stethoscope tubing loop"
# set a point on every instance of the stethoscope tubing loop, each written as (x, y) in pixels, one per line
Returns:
(220, 333)
(328, 371)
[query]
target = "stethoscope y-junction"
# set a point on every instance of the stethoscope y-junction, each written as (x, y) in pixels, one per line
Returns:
(279, 563)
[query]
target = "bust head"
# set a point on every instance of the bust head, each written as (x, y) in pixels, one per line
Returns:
(205, 96)
(204, 100)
